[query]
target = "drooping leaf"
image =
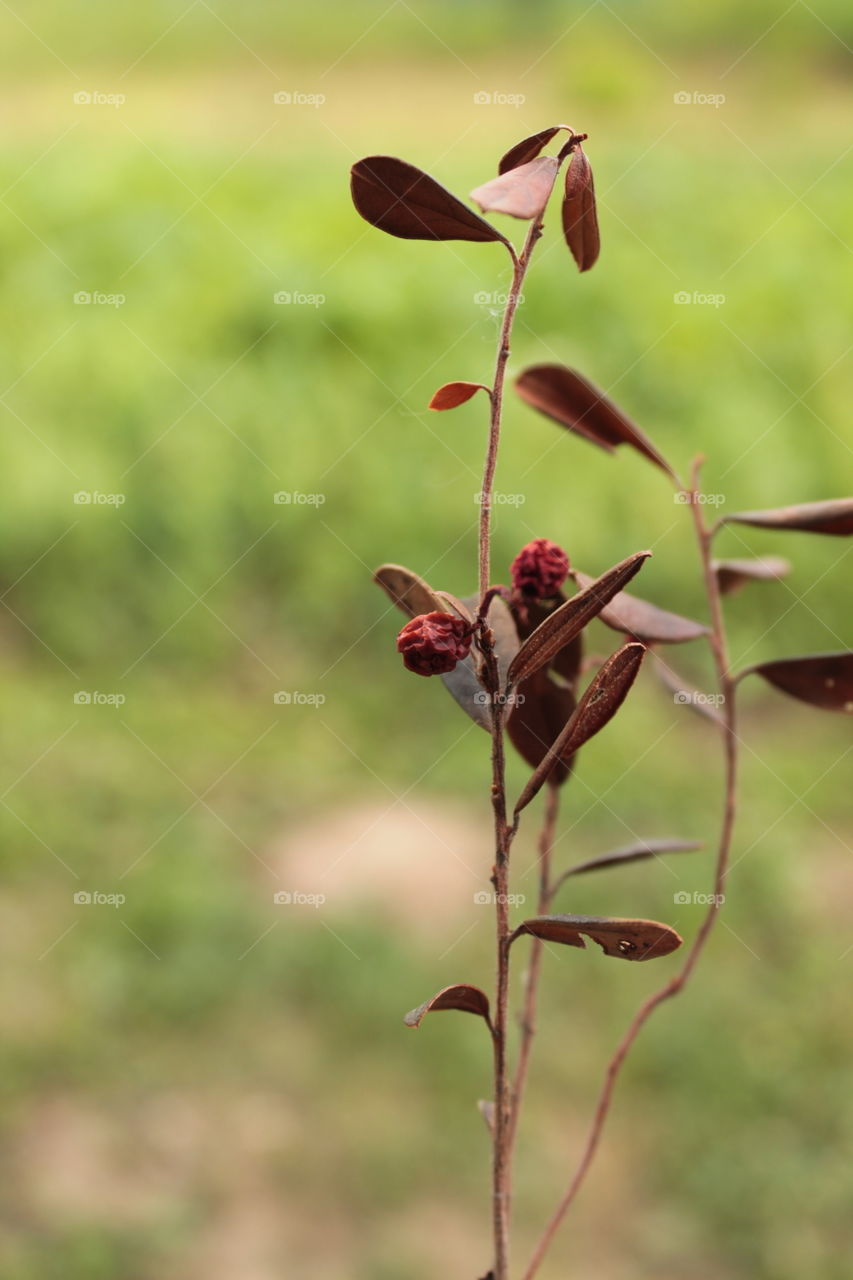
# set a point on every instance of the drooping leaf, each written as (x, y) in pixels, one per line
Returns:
(404, 201)
(528, 149)
(463, 997)
(834, 517)
(632, 853)
(823, 680)
(455, 393)
(704, 704)
(541, 709)
(568, 398)
(561, 626)
(407, 590)
(601, 700)
(580, 219)
(635, 617)
(463, 681)
(734, 574)
(521, 192)
(625, 939)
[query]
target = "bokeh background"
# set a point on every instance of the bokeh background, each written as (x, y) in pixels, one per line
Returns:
(197, 1081)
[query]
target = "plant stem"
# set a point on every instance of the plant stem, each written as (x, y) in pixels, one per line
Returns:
(725, 685)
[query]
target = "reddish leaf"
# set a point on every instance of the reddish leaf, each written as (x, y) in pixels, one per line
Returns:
(528, 149)
(571, 400)
(463, 681)
(632, 853)
(822, 679)
(407, 591)
(734, 574)
(462, 997)
(406, 202)
(601, 700)
(635, 617)
(567, 661)
(834, 516)
(561, 626)
(625, 939)
(541, 709)
(521, 192)
(452, 605)
(703, 704)
(580, 220)
(455, 393)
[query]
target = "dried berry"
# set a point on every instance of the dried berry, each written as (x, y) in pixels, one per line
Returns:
(433, 643)
(539, 569)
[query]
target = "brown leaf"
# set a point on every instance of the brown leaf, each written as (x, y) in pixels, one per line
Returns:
(463, 681)
(635, 617)
(625, 939)
(734, 574)
(452, 605)
(568, 398)
(566, 661)
(685, 696)
(455, 393)
(632, 853)
(404, 201)
(580, 220)
(601, 700)
(528, 149)
(822, 679)
(521, 192)
(834, 517)
(561, 626)
(541, 709)
(463, 997)
(407, 591)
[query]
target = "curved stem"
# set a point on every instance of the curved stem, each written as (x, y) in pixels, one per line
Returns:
(675, 985)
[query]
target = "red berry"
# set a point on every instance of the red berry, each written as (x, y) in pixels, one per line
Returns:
(433, 643)
(539, 569)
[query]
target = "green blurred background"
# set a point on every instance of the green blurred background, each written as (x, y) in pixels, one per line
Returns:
(200, 1082)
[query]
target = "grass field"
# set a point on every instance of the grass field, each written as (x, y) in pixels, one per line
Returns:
(198, 1082)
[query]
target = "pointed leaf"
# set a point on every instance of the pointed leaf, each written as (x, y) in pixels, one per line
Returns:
(463, 997)
(404, 201)
(561, 627)
(632, 853)
(463, 682)
(833, 517)
(407, 591)
(635, 617)
(528, 148)
(602, 699)
(566, 661)
(521, 192)
(734, 574)
(704, 704)
(541, 709)
(568, 398)
(455, 393)
(625, 939)
(823, 680)
(580, 219)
